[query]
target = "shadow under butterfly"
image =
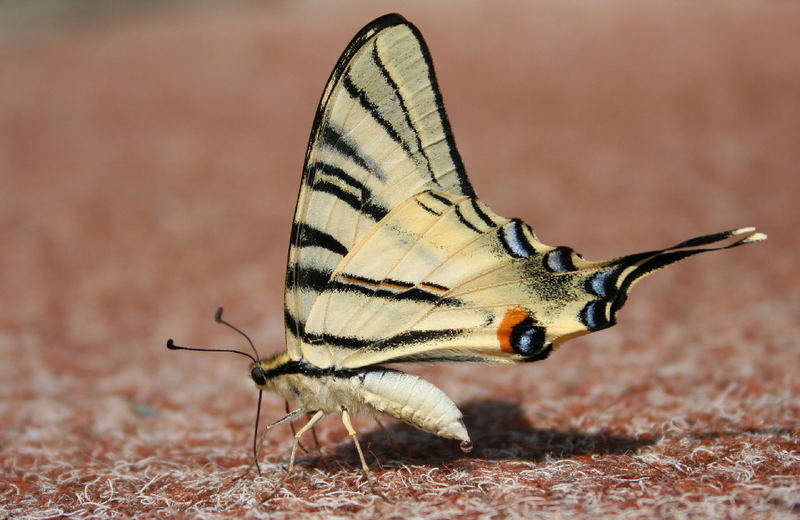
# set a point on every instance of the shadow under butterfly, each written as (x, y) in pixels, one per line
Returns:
(503, 432)
(393, 258)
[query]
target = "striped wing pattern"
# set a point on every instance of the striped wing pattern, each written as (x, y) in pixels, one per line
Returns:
(393, 258)
(380, 136)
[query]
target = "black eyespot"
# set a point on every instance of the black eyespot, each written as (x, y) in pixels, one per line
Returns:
(526, 338)
(258, 376)
(593, 315)
(559, 260)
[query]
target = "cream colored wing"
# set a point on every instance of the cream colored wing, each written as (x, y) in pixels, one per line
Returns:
(380, 137)
(392, 256)
(442, 277)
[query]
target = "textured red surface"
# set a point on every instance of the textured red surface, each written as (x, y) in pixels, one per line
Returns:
(149, 165)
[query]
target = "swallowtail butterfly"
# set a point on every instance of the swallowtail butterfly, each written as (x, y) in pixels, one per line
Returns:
(393, 257)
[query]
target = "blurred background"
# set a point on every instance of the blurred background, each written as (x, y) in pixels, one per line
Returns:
(151, 151)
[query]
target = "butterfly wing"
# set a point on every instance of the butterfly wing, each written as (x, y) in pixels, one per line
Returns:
(393, 258)
(380, 136)
(443, 277)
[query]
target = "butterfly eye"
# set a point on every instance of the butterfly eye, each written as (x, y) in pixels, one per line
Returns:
(259, 376)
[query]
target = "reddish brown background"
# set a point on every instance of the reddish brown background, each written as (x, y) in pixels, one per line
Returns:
(149, 162)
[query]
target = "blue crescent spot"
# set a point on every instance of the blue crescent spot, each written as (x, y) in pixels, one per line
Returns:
(516, 240)
(599, 283)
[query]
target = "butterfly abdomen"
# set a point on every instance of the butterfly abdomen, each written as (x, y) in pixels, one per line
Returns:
(414, 401)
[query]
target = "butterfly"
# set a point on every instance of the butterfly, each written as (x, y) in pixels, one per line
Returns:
(393, 258)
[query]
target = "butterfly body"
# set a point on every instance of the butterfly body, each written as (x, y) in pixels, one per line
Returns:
(393, 258)
(367, 391)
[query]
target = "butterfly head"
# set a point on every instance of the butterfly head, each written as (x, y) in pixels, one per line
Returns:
(262, 371)
(258, 375)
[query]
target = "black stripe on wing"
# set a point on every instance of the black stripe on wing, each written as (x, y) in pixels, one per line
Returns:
(428, 208)
(297, 328)
(463, 181)
(374, 110)
(379, 63)
(412, 337)
(307, 277)
(397, 290)
(482, 214)
(343, 186)
(334, 138)
(463, 220)
(304, 235)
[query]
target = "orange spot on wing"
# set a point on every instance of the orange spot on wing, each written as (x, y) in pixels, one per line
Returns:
(511, 319)
(386, 283)
(433, 287)
(358, 281)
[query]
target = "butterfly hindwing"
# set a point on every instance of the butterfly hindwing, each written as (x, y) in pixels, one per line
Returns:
(380, 136)
(443, 277)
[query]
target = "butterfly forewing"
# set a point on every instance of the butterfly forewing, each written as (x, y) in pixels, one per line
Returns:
(380, 136)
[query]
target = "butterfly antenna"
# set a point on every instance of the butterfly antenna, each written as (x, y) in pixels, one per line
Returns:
(218, 319)
(172, 346)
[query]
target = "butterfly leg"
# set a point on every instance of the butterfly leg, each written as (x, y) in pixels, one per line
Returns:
(386, 434)
(307, 426)
(316, 441)
(288, 417)
(291, 427)
(349, 426)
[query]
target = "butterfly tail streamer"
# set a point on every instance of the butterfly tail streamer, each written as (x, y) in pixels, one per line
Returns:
(649, 262)
(614, 279)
